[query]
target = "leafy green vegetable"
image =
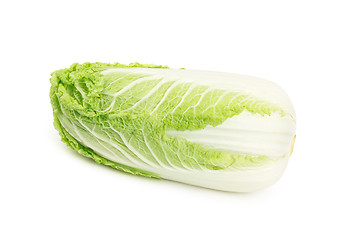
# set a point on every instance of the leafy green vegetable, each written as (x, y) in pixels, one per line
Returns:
(159, 122)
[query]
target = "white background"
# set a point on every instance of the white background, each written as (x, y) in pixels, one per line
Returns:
(48, 191)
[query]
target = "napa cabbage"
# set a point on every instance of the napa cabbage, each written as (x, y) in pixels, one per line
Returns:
(217, 130)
